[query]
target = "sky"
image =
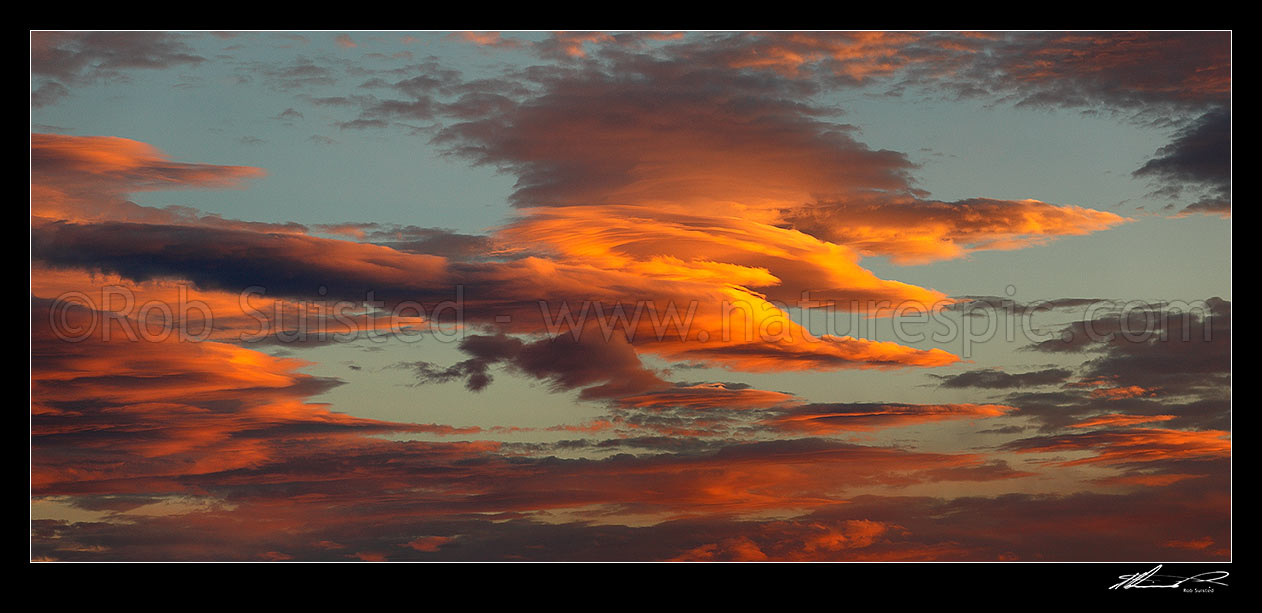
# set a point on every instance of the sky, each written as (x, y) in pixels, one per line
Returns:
(624, 296)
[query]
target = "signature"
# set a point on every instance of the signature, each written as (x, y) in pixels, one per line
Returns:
(1152, 579)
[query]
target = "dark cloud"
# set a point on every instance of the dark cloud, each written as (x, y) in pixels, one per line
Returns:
(654, 110)
(1142, 358)
(60, 60)
(1141, 327)
(999, 303)
(48, 93)
(486, 351)
(1198, 158)
(414, 239)
(75, 57)
(1200, 153)
(301, 74)
(998, 379)
(601, 368)
(1209, 206)
(233, 260)
(1003, 430)
(1127, 70)
(423, 88)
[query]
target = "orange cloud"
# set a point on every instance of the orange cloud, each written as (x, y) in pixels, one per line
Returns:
(916, 231)
(1116, 419)
(707, 396)
(1134, 446)
(726, 268)
(429, 543)
(571, 43)
(87, 178)
(719, 250)
(153, 411)
(1117, 393)
(124, 162)
(857, 55)
(722, 273)
(828, 419)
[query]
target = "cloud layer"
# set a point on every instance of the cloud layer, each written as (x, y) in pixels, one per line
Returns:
(681, 203)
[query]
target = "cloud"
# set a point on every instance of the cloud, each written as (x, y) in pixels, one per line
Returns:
(1141, 359)
(998, 379)
(48, 93)
(601, 368)
(724, 252)
(829, 418)
(671, 134)
(227, 458)
(729, 179)
(88, 178)
(155, 411)
(414, 239)
(685, 268)
(1162, 76)
(1174, 347)
(971, 303)
(224, 442)
(697, 172)
(1208, 206)
(569, 45)
(685, 127)
(1130, 446)
(1201, 153)
(719, 411)
(234, 260)
(917, 231)
(62, 59)
(1085, 526)
(295, 266)
(299, 74)
(1118, 69)
(1130, 391)
(1198, 157)
(73, 55)
(429, 543)
(127, 164)
(487, 39)
(704, 396)
(1121, 420)
(1121, 69)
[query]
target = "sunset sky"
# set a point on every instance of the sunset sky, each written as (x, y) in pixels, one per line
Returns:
(704, 296)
